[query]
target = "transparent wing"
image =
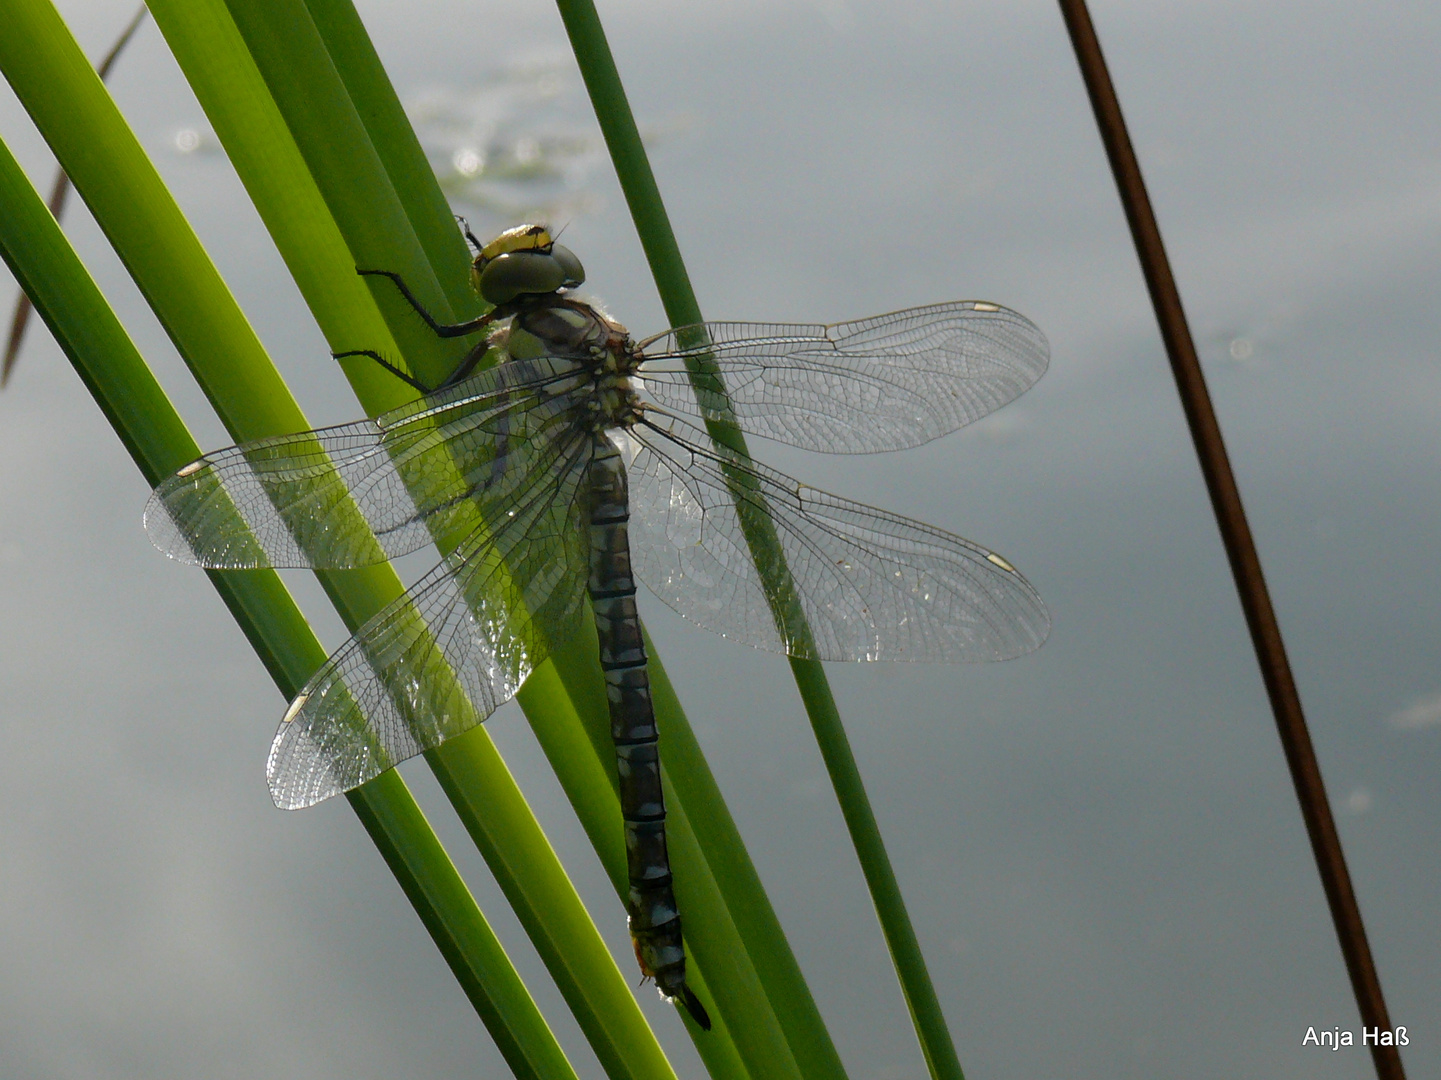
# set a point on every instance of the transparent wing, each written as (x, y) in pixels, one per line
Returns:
(360, 493)
(445, 655)
(870, 585)
(884, 383)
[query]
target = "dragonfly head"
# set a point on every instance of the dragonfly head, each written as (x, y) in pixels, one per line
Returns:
(524, 261)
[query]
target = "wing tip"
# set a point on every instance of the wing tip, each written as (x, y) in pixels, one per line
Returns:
(294, 786)
(164, 532)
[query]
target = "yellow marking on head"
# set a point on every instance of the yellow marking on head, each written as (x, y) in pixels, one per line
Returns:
(993, 557)
(520, 238)
(193, 467)
(981, 305)
(295, 707)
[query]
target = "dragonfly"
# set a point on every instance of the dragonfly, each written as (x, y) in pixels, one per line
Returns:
(581, 463)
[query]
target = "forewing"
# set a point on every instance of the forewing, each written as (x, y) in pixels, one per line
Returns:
(440, 659)
(363, 492)
(884, 383)
(869, 585)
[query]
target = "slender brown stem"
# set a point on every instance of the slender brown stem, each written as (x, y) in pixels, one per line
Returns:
(21, 319)
(1236, 535)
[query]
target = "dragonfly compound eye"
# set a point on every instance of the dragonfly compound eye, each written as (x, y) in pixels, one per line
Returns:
(518, 273)
(566, 260)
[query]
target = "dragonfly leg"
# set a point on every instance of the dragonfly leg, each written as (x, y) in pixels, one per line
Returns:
(467, 365)
(445, 330)
(463, 369)
(403, 376)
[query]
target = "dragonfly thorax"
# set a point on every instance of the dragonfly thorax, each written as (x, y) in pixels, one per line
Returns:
(601, 349)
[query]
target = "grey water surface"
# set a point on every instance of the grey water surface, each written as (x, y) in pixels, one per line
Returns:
(1099, 843)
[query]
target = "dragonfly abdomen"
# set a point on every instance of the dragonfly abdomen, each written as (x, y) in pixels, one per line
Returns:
(654, 917)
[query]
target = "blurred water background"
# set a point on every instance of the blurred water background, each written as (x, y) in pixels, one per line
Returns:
(1099, 843)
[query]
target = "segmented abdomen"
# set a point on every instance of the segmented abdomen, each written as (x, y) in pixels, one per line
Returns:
(654, 919)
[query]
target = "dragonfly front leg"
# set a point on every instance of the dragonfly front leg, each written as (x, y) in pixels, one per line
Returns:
(445, 330)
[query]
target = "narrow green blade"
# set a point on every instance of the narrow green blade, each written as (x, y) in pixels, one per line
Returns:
(72, 307)
(63, 95)
(810, 1040)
